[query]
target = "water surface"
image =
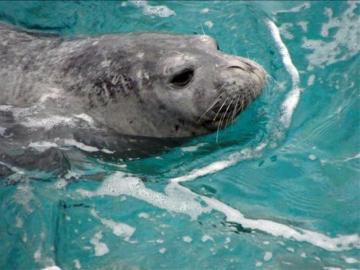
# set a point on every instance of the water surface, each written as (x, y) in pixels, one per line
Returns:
(279, 189)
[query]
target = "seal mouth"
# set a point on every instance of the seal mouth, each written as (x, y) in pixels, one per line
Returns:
(223, 113)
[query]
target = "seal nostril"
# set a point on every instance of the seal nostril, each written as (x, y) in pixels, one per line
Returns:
(217, 46)
(250, 67)
(236, 67)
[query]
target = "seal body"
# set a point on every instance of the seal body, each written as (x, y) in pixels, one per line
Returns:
(119, 91)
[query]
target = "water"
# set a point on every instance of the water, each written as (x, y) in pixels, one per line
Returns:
(279, 190)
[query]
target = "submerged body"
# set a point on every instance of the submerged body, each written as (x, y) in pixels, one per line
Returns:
(120, 93)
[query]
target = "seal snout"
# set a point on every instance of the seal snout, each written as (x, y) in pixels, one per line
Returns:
(243, 67)
(241, 78)
(237, 84)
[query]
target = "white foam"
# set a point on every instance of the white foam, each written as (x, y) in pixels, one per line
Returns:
(77, 264)
(267, 256)
(311, 80)
(42, 146)
(192, 148)
(343, 45)
(6, 108)
(87, 118)
(37, 254)
(81, 146)
(187, 239)
(296, 9)
(179, 199)
(227, 240)
(144, 215)
(18, 222)
(210, 169)
(2, 131)
(162, 250)
(276, 229)
(26, 117)
(119, 229)
(290, 249)
(54, 267)
(209, 24)
(86, 148)
(100, 248)
(339, 243)
(174, 200)
(72, 174)
(303, 25)
(24, 196)
(107, 151)
(292, 99)
(284, 29)
(357, 156)
(350, 260)
(220, 165)
(60, 183)
(48, 122)
(160, 11)
(24, 238)
(32, 116)
(206, 238)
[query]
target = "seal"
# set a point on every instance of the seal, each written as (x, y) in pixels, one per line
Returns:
(119, 91)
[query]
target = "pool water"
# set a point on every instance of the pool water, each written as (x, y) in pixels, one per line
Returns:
(279, 189)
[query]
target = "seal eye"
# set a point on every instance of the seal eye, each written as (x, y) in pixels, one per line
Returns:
(182, 78)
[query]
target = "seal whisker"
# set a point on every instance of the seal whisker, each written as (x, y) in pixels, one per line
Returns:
(214, 119)
(210, 107)
(217, 133)
(271, 78)
(228, 117)
(232, 117)
(235, 109)
(241, 105)
(217, 99)
(219, 123)
(223, 117)
(252, 92)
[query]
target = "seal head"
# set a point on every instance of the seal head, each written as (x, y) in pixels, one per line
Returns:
(160, 85)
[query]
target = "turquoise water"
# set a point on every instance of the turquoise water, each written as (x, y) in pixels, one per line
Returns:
(279, 189)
